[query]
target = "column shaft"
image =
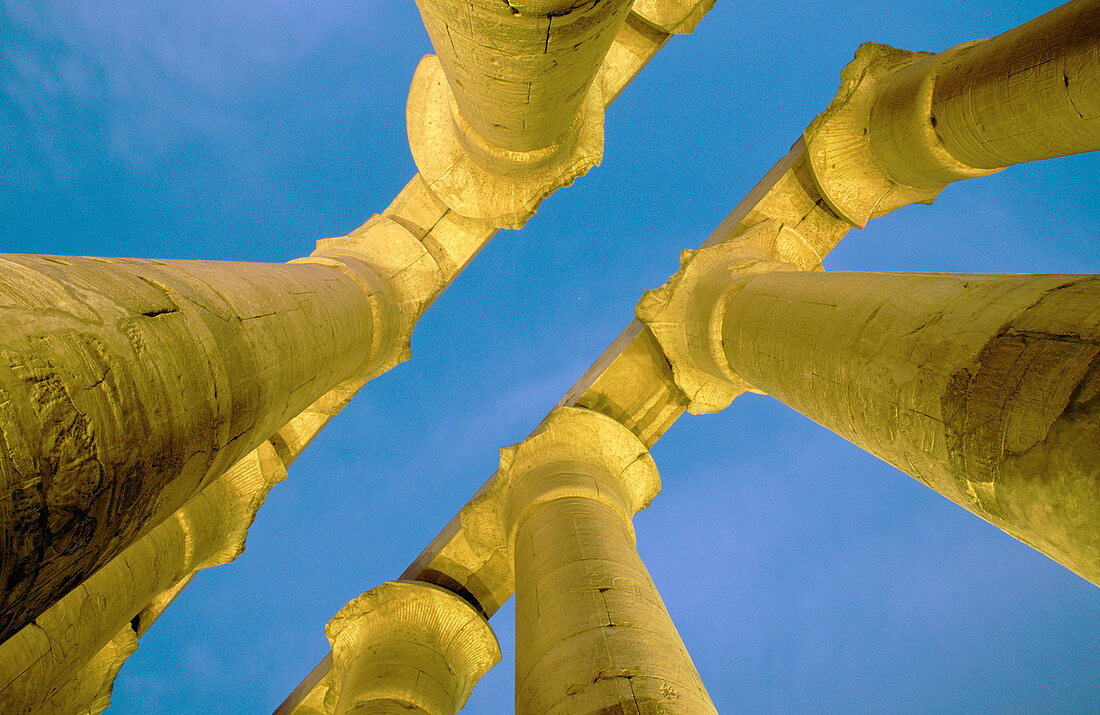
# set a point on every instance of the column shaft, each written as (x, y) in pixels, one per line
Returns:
(88, 692)
(592, 633)
(1030, 93)
(984, 387)
(127, 385)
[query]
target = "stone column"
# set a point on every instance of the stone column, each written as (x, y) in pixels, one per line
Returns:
(112, 604)
(592, 634)
(905, 124)
(984, 387)
(127, 385)
(508, 112)
(1030, 93)
(407, 647)
(520, 70)
(88, 692)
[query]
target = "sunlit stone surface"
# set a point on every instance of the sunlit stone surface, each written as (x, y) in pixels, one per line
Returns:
(147, 407)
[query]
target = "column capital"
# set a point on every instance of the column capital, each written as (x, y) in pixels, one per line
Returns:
(874, 148)
(215, 523)
(408, 280)
(574, 453)
(577, 453)
(480, 180)
(686, 314)
(408, 643)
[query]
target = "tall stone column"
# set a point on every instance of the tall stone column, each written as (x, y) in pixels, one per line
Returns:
(592, 634)
(407, 647)
(984, 387)
(110, 605)
(905, 124)
(128, 385)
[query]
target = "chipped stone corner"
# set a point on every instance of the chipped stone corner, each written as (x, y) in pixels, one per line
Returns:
(875, 149)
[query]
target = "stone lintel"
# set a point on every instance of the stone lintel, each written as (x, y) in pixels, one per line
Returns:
(678, 17)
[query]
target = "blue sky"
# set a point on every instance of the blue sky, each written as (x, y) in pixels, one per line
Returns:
(802, 572)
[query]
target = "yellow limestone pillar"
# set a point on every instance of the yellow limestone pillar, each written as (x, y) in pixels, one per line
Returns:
(88, 633)
(592, 634)
(905, 124)
(407, 647)
(508, 111)
(127, 385)
(54, 648)
(984, 387)
(202, 360)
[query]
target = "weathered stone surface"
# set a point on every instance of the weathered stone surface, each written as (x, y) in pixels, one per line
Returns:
(905, 124)
(520, 70)
(984, 387)
(673, 16)
(685, 314)
(63, 643)
(480, 180)
(1030, 93)
(592, 634)
(126, 386)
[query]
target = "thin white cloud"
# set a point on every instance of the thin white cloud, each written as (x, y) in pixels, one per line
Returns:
(154, 74)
